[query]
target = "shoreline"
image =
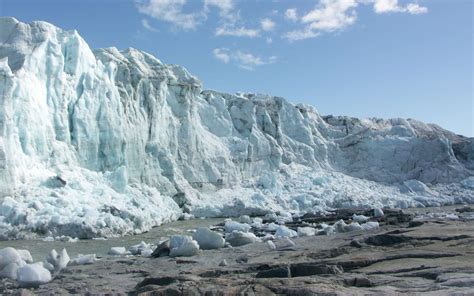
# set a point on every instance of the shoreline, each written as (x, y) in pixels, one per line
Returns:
(433, 255)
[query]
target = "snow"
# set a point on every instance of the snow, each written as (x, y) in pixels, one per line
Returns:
(103, 143)
(32, 275)
(283, 231)
(239, 238)
(183, 245)
(208, 239)
(232, 225)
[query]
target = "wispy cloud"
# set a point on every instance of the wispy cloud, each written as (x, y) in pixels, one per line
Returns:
(231, 30)
(171, 11)
(148, 26)
(222, 54)
(243, 60)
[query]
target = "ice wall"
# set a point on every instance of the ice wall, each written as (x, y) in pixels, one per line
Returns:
(111, 142)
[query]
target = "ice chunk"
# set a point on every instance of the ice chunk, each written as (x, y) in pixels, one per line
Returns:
(270, 245)
(360, 218)
(59, 261)
(208, 239)
(245, 219)
(378, 212)
(283, 231)
(239, 238)
(33, 275)
(232, 225)
(146, 252)
(138, 248)
(271, 227)
(183, 245)
(10, 271)
(370, 226)
(468, 183)
(83, 260)
(118, 251)
(9, 255)
(306, 231)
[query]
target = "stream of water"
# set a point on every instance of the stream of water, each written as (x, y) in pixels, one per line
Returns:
(39, 248)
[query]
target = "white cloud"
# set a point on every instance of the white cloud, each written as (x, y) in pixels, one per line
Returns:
(231, 30)
(414, 8)
(387, 6)
(384, 6)
(267, 24)
(148, 26)
(222, 54)
(291, 14)
(226, 8)
(171, 11)
(242, 59)
(327, 16)
(336, 15)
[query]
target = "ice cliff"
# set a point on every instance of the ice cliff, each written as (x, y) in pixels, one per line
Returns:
(108, 142)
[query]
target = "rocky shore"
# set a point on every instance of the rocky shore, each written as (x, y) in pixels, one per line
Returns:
(414, 251)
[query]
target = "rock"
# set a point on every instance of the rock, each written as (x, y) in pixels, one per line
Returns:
(239, 238)
(162, 250)
(358, 281)
(415, 224)
(464, 210)
(208, 239)
(355, 243)
(223, 263)
(242, 259)
(308, 269)
(386, 239)
(277, 272)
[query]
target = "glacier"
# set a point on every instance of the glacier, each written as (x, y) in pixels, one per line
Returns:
(112, 142)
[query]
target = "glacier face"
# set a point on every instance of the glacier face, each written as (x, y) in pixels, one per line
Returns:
(110, 142)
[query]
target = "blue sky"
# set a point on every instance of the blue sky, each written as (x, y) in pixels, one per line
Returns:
(363, 58)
